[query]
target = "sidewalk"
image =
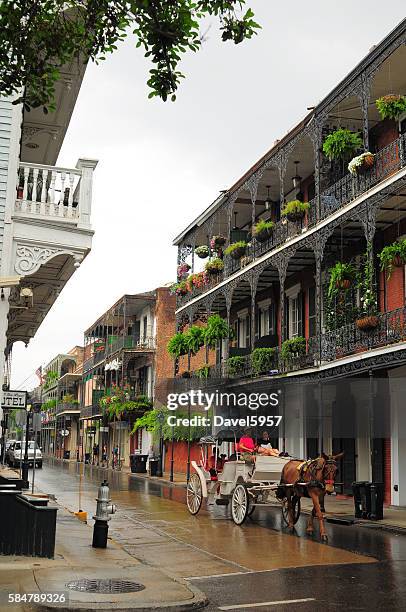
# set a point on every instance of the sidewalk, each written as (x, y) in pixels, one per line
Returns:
(75, 559)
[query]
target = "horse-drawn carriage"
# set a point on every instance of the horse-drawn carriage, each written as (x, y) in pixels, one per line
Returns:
(239, 483)
(248, 485)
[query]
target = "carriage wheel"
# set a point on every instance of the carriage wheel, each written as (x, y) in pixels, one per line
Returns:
(239, 504)
(296, 510)
(251, 506)
(194, 494)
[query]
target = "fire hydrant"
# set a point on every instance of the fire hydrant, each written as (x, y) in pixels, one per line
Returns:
(103, 511)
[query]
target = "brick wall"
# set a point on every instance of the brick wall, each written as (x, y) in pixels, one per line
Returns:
(165, 328)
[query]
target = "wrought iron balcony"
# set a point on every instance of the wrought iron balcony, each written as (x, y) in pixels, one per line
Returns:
(67, 407)
(349, 340)
(388, 160)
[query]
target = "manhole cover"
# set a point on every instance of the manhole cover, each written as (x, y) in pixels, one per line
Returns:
(97, 585)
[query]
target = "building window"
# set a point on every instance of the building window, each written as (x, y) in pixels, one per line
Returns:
(145, 327)
(244, 331)
(312, 311)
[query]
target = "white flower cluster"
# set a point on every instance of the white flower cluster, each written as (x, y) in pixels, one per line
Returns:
(358, 162)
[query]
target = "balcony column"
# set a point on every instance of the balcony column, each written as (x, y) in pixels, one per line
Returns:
(252, 186)
(318, 248)
(316, 138)
(229, 209)
(364, 98)
(281, 262)
(87, 167)
(228, 294)
(253, 280)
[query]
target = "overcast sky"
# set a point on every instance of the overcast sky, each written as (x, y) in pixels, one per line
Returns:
(161, 163)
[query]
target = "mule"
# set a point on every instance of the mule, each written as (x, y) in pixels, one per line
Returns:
(319, 475)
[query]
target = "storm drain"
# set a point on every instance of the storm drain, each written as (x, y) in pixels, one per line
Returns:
(96, 585)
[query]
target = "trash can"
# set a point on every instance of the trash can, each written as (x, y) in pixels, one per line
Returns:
(375, 496)
(361, 499)
(138, 464)
(66, 454)
(153, 467)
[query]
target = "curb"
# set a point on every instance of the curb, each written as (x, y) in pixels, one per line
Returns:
(197, 602)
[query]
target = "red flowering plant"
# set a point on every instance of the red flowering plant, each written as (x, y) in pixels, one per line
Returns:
(183, 270)
(197, 280)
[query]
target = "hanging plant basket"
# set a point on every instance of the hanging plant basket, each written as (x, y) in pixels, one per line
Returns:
(391, 106)
(295, 210)
(362, 163)
(236, 250)
(202, 251)
(367, 324)
(218, 241)
(344, 283)
(214, 266)
(263, 235)
(295, 216)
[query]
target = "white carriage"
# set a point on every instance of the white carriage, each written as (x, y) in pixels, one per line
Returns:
(242, 484)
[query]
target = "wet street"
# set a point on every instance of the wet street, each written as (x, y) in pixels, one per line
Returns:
(256, 566)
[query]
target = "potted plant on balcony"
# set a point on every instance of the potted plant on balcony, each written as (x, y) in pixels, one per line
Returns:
(293, 348)
(341, 144)
(214, 266)
(179, 288)
(202, 251)
(391, 106)
(262, 230)
(237, 249)
(216, 329)
(392, 256)
(295, 210)
(361, 163)
(182, 271)
(197, 280)
(194, 339)
(262, 360)
(341, 277)
(217, 242)
(177, 345)
(235, 365)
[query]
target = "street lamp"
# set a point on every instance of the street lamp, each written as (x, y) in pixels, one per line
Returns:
(161, 418)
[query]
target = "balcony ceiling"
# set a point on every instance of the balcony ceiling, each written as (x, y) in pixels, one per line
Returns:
(43, 135)
(46, 284)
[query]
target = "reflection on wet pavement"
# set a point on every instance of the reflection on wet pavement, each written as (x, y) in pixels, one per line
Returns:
(153, 524)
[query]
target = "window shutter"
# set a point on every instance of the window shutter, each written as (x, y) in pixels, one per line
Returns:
(312, 311)
(300, 314)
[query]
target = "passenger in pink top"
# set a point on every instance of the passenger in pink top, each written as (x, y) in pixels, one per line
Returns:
(247, 446)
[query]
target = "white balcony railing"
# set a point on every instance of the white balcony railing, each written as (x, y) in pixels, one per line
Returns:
(55, 193)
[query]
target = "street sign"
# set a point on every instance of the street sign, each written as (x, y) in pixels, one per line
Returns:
(14, 400)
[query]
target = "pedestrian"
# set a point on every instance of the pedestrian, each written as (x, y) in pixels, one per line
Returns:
(95, 454)
(104, 455)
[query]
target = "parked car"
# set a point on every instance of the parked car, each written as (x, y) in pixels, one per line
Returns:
(15, 452)
(9, 444)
